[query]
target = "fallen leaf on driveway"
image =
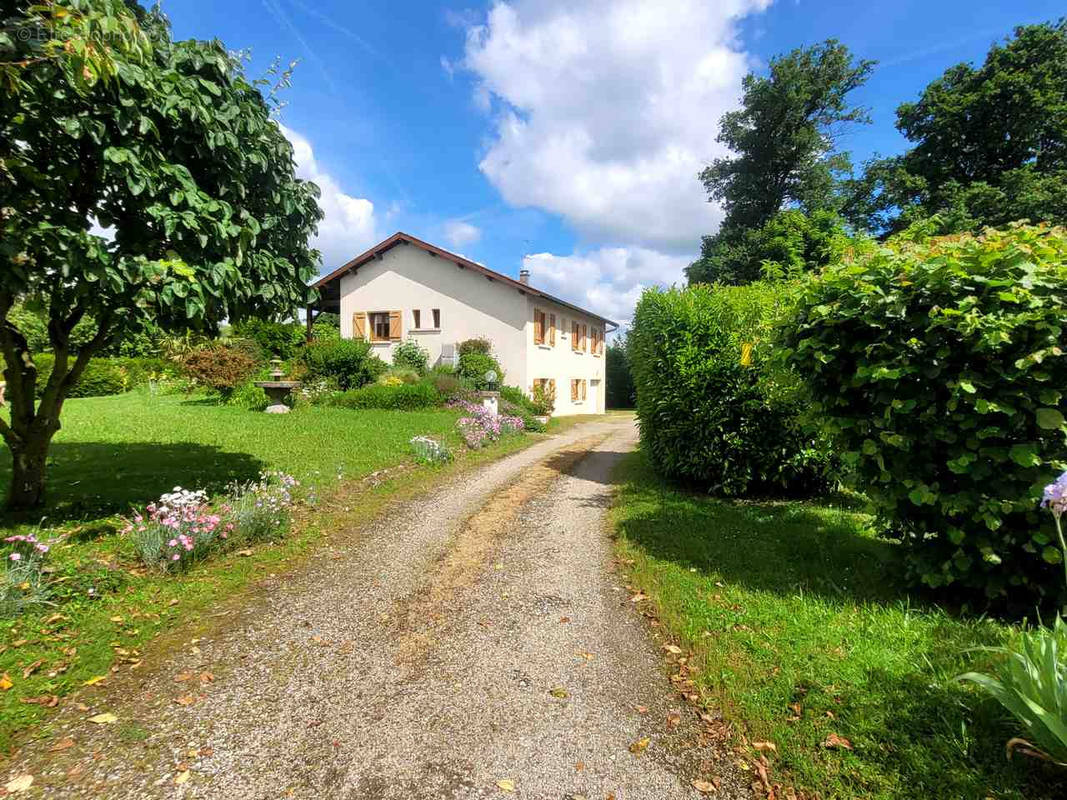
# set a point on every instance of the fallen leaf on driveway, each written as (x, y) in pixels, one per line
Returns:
(181, 677)
(707, 787)
(506, 784)
(637, 598)
(640, 746)
(181, 777)
(674, 718)
(207, 677)
(641, 709)
(6, 682)
(766, 747)
(104, 719)
(673, 648)
(558, 691)
(62, 744)
(185, 700)
(834, 741)
(46, 700)
(19, 784)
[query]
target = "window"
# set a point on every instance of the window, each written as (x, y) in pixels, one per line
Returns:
(585, 336)
(379, 326)
(576, 336)
(551, 330)
(578, 390)
(596, 339)
(416, 317)
(436, 317)
(539, 326)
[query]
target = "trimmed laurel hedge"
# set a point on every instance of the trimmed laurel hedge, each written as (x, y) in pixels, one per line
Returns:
(400, 397)
(940, 368)
(705, 417)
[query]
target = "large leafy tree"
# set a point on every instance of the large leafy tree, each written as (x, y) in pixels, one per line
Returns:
(782, 140)
(171, 150)
(990, 143)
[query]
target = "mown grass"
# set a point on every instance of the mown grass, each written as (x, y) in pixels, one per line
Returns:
(105, 607)
(800, 628)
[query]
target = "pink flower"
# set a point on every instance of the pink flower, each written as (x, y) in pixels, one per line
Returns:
(175, 557)
(15, 557)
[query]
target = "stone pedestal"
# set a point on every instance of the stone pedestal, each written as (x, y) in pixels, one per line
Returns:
(277, 394)
(491, 401)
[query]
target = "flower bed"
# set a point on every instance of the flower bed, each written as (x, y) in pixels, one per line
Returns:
(482, 426)
(182, 526)
(22, 583)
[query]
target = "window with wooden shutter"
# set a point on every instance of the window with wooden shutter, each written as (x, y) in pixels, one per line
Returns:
(552, 330)
(585, 383)
(585, 337)
(379, 326)
(576, 332)
(574, 390)
(394, 325)
(359, 325)
(539, 326)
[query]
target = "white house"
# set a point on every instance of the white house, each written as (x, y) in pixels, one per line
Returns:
(406, 288)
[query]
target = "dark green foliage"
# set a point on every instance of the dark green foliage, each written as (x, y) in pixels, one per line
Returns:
(620, 391)
(990, 144)
(790, 242)
(220, 367)
(326, 327)
(475, 360)
(276, 339)
(783, 157)
(410, 354)
(347, 362)
(107, 376)
(402, 397)
(706, 418)
(450, 387)
(940, 369)
(177, 152)
(522, 411)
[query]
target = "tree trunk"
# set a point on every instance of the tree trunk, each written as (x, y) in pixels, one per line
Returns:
(27, 473)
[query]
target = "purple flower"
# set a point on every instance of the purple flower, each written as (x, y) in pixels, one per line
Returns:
(1055, 496)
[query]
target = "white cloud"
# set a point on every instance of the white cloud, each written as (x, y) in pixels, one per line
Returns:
(608, 280)
(606, 111)
(349, 226)
(460, 233)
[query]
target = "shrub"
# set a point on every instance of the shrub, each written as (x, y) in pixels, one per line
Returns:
(248, 396)
(411, 355)
(220, 367)
(518, 398)
(711, 410)
(101, 377)
(402, 397)
(447, 385)
(479, 345)
(348, 362)
(544, 399)
(940, 368)
(474, 365)
(326, 327)
(620, 391)
(277, 339)
(394, 376)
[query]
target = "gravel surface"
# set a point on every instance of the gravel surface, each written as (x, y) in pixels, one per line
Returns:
(474, 643)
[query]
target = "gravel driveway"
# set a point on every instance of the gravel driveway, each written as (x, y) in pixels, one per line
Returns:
(474, 643)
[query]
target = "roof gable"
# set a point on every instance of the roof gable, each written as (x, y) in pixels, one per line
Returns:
(329, 285)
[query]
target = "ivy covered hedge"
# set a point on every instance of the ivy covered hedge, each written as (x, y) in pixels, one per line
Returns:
(712, 411)
(940, 368)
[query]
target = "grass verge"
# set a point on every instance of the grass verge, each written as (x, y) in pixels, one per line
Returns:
(800, 630)
(108, 613)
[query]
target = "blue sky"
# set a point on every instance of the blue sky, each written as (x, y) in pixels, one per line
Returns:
(566, 134)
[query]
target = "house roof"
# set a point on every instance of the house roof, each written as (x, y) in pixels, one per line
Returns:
(329, 286)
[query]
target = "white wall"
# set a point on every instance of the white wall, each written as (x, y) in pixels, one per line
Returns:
(561, 363)
(407, 277)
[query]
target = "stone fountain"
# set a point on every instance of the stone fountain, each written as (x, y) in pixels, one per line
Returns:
(278, 390)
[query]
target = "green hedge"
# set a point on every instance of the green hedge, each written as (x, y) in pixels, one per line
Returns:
(707, 418)
(347, 362)
(941, 369)
(404, 397)
(107, 376)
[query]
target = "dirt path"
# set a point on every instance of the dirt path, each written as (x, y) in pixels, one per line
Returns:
(474, 644)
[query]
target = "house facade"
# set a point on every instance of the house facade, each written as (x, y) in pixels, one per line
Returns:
(407, 288)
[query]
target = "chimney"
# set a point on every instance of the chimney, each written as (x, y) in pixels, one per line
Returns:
(524, 275)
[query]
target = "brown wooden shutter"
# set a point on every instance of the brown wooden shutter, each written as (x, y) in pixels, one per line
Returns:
(359, 325)
(394, 324)
(585, 335)
(574, 390)
(539, 327)
(552, 330)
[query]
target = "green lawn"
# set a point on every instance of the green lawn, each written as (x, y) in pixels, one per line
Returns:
(800, 628)
(113, 452)
(108, 612)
